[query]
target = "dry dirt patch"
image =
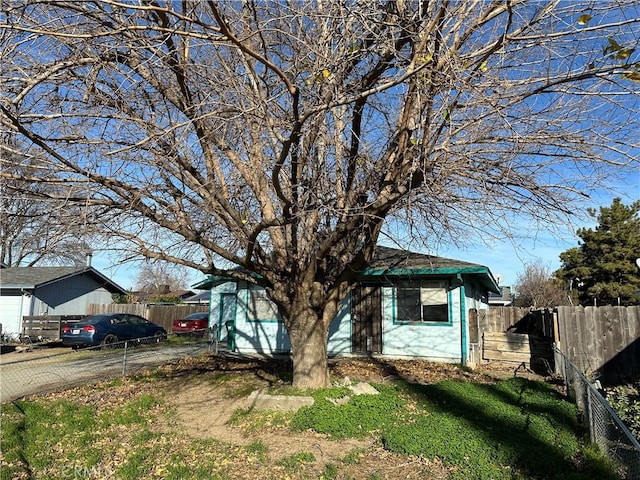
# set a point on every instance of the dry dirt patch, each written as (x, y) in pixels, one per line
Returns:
(204, 392)
(204, 405)
(203, 413)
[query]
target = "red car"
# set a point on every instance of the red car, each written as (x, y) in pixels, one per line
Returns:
(193, 324)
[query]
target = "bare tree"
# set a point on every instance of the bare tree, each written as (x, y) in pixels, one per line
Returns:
(161, 277)
(35, 227)
(537, 287)
(286, 137)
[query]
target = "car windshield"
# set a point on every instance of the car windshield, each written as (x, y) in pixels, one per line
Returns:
(197, 316)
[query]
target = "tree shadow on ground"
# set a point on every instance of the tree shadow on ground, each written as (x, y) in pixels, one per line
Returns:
(526, 425)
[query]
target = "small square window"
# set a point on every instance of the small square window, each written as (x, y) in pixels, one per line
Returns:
(422, 304)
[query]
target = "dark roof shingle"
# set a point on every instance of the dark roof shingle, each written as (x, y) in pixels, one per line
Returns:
(32, 277)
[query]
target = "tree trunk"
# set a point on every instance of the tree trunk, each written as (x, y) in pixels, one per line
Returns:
(308, 334)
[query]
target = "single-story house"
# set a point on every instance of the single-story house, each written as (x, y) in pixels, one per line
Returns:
(28, 291)
(199, 298)
(405, 304)
(503, 299)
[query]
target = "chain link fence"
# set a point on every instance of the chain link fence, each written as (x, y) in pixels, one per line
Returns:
(605, 427)
(38, 370)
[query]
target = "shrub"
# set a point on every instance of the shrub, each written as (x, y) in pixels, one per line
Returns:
(359, 417)
(625, 400)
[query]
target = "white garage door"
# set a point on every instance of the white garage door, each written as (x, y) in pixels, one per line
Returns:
(11, 308)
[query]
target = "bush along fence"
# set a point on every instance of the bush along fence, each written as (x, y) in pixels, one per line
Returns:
(605, 427)
(44, 373)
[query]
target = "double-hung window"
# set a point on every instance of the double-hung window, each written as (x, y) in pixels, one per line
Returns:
(426, 303)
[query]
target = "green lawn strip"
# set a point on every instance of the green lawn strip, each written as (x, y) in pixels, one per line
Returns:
(46, 438)
(59, 439)
(514, 429)
(511, 430)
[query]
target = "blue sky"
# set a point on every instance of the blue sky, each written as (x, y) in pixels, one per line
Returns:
(508, 259)
(504, 258)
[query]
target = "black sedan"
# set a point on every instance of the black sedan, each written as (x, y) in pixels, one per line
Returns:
(110, 328)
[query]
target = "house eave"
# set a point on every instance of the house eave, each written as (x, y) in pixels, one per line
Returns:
(485, 276)
(17, 287)
(406, 272)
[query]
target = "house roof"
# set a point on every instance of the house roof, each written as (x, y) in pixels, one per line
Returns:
(392, 262)
(202, 297)
(29, 278)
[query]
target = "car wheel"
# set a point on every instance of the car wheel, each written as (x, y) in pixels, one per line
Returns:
(109, 340)
(158, 336)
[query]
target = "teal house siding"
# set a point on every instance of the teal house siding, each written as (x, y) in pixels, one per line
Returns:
(425, 308)
(439, 342)
(339, 343)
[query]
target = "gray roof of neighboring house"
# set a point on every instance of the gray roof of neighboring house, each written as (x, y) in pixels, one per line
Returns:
(33, 277)
(202, 297)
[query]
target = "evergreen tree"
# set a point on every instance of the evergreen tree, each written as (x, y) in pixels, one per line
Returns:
(602, 269)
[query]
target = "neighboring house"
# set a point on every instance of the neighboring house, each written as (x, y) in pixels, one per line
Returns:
(404, 305)
(50, 291)
(199, 298)
(182, 295)
(502, 299)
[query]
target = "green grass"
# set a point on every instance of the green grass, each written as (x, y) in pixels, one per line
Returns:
(511, 430)
(292, 462)
(251, 421)
(496, 432)
(258, 449)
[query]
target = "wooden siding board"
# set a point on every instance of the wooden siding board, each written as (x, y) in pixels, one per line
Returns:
(633, 342)
(580, 324)
(594, 333)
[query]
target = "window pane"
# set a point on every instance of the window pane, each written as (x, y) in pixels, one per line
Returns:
(408, 304)
(435, 313)
(434, 305)
(433, 296)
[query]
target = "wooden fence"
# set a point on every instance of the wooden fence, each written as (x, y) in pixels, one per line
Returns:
(604, 342)
(517, 336)
(49, 327)
(500, 319)
(161, 314)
